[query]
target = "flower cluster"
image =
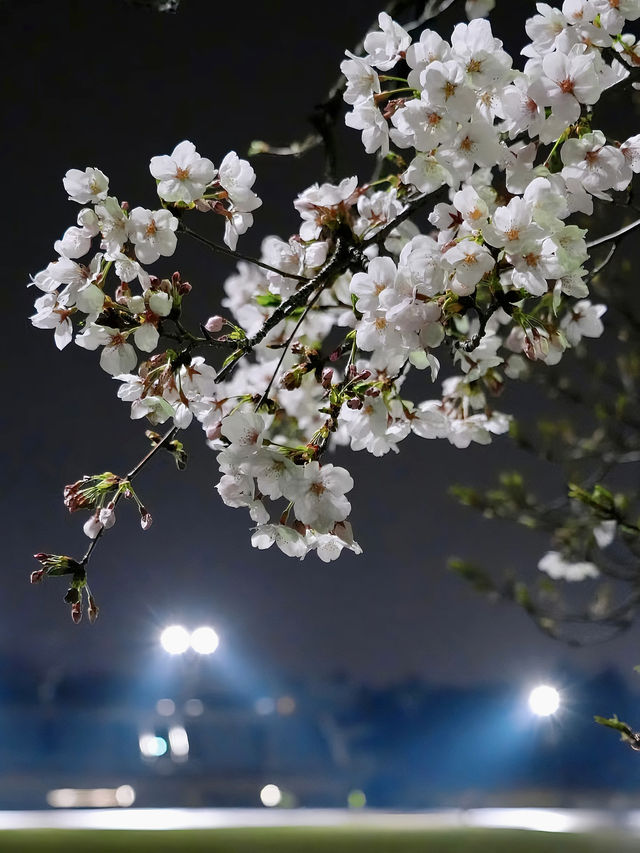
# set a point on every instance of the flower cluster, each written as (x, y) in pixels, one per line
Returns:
(75, 284)
(463, 244)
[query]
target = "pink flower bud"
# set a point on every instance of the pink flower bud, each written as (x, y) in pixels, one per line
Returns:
(146, 518)
(93, 610)
(37, 576)
(76, 611)
(327, 376)
(123, 293)
(214, 324)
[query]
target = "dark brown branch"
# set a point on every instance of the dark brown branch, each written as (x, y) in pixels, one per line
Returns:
(216, 247)
(334, 266)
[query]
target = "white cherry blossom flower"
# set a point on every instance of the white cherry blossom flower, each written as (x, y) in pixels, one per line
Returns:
(235, 224)
(237, 490)
(92, 185)
(117, 355)
(51, 313)
(594, 164)
(583, 320)
(288, 540)
(470, 262)
(384, 47)
(153, 233)
(511, 227)
(183, 175)
(319, 496)
(558, 568)
(366, 117)
(237, 177)
(75, 242)
(430, 48)
(362, 79)
(113, 224)
(244, 430)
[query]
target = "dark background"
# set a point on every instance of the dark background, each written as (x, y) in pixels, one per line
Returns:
(110, 85)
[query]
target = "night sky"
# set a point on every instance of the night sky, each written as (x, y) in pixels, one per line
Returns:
(110, 85)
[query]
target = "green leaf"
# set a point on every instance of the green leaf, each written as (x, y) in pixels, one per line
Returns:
(268, 300)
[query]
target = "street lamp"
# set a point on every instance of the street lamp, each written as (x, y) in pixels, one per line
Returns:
(175, 640)
(204, 640)
(544, 700)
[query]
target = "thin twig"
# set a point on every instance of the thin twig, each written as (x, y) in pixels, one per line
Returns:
(166, 438)
(237, 255)
(286, 346)
(614, 235)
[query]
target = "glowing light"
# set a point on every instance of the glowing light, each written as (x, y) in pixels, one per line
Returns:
(152, 746)
(193, 708)
(179, 742)
(165, 707)
(175, 640)
(96, 798)
(204, 640)
(125, 796)
(356, 799)
(264, 705)
(286, 705)
(544, 700)
(270, 796)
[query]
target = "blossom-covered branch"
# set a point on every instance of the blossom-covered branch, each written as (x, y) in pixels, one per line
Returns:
(463, 249)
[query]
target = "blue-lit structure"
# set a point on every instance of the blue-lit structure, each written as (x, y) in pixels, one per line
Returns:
(219, 741)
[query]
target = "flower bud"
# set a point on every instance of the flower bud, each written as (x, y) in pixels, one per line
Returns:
(354, 403)
(327, 377)
(291, 380)
(146, 519)
(93, 610)
(76, 611)
(123, 293)
(214, 324)
(37, 576)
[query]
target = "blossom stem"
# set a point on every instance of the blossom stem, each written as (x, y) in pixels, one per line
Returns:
(614, 235)
(381, 235)
(166, 438)
(237, 255)
(285, 348)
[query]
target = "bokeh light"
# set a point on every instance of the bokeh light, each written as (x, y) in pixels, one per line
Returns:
(270, 796)
(175, 640)
(544, 700)
(204, 640)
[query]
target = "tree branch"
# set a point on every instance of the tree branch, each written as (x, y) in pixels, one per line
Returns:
(216, 247)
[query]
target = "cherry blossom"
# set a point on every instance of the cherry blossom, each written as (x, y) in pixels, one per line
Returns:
(183, 175)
